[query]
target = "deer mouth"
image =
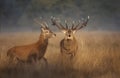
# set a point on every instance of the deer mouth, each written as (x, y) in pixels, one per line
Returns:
(54, 35)
(68, 39)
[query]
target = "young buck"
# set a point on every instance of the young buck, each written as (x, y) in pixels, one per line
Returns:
(33, 52)
(69, 45)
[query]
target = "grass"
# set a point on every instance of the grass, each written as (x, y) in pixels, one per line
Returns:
(98, 56)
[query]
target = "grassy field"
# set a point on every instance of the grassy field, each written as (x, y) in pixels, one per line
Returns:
(98, 56)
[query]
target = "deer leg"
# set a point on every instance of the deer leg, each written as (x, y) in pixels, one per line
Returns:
(32, 59)
(13, 60)
(10, 60)
(46, 63)
(20, 63)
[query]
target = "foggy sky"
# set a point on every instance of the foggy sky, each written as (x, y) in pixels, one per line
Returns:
(18, 15)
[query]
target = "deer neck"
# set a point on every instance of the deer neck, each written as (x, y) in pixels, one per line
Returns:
(42, 40)
(68, 44)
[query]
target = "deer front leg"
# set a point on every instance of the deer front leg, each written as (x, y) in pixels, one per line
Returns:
(46, 63)
(32, 59)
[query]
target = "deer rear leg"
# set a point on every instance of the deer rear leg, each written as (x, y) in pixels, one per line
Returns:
(13, 60)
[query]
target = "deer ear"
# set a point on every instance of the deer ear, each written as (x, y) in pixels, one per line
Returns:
(42, 29)
(64, 31)
(74, 31)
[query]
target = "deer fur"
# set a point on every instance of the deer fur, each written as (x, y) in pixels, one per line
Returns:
(33, 52)
(69, 44)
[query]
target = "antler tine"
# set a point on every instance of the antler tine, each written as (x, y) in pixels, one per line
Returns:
(53, 20)
(84, 23)
(56, 23)
(40, 17)
(45, 24)
(77, 25)
(39, 23)
(62, 26)
(73, 24)
(66, 24)
(88, 17)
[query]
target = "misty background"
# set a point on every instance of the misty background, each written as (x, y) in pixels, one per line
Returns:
(18, 15)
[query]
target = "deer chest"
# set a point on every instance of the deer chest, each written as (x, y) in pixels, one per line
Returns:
(68, 45)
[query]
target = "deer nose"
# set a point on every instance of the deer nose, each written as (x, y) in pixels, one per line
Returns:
(54, 34)
(69, 35)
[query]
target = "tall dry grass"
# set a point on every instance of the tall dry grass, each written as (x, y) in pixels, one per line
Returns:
(98, 56)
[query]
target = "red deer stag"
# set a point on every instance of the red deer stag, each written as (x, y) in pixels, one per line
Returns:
(33, 52)
(69, 45)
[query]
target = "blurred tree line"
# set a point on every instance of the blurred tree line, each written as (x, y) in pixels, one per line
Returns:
(33, 7)
(12, 10)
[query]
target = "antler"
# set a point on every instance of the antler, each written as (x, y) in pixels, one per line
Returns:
(79, 25)
(56, 23)
(45, 24)
(73, 25)
(42, 24)
(66, 24)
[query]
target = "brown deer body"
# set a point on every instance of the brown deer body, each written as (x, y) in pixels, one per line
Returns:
(69, 45)
(33, 52)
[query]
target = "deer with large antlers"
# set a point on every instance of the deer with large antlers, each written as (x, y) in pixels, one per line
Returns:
(33, 52)
(69, 45)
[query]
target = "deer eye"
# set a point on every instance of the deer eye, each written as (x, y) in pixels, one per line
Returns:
(47, 32)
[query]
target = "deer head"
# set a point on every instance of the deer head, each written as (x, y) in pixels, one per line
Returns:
(45, 30)
(69, 32)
